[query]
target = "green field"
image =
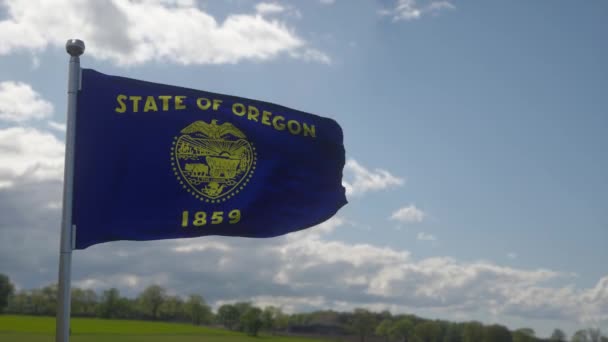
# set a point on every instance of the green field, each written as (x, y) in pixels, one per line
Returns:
(42, 329)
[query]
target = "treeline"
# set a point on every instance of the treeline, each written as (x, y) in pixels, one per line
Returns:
(152, 304)
(360, 325)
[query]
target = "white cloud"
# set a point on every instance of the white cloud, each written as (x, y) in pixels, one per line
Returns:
(327, 2)
(512, 255)
(58, 126)
(201, 246)
(358, 180)
(407, 9)
(118, 280)
(138, 32)
(309, 54)
(28, 154)
(55, 205)
(409, 214)
(19, 103)
(439, 6)
(412, 9)
(290, 304)
(422, 236)
(324, 228)
(321, 273)
(269, 8)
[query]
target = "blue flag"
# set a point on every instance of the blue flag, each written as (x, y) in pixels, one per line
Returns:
(154, 161)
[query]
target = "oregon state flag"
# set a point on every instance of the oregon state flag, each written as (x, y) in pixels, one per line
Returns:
(154, 161)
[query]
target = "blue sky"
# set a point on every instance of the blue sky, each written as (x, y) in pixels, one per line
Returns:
(475, 133)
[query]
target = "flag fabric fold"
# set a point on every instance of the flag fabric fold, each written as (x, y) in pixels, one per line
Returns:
(154, 161)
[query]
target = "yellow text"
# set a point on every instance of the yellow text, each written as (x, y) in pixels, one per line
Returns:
(278, 122)
(203, 218)
(136, 104)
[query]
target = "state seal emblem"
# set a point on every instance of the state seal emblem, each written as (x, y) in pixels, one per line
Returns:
(212, 161)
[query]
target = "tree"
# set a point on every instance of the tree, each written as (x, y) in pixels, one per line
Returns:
(267, 318)
(83, 302)
(588, 335)
(20, 303)
(112, 305)
(558, 335)
(36, 302)
(90, 302)
(281, 320)
(580, 336)
(298, 319)
(241, 308)
(385, 314)
(251, 321)
(401, 329)
(197, 310)
(363, 323)
(527, 331)
(453, 333)
(524, 335)
(384, 329)
(428, 331)
(172, 309)
(6, 290)
(595, 335)
(45, 300)
(109, 306)
(228, 316)
(271, 317)
(472, 332)
(151, 299)
(497, 333)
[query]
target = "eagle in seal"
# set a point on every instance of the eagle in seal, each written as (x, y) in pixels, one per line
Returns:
(213, 130)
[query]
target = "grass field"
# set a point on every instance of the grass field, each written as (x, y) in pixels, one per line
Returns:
(42, 329)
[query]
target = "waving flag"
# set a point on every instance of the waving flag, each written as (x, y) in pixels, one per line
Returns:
(154, 161)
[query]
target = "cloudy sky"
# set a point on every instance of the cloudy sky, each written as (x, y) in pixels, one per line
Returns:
(476, 137)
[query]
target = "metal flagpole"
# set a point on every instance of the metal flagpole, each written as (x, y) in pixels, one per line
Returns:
(75, 48)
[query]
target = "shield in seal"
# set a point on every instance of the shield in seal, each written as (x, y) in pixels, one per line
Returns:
(212, 161)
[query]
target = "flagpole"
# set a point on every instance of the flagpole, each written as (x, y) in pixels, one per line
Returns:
(74, 48)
